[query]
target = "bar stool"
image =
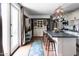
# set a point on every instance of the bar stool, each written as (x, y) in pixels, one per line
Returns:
(46, 42)
(52, 42)
(44, 38)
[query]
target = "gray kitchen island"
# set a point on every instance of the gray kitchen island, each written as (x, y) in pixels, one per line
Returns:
(65, 43)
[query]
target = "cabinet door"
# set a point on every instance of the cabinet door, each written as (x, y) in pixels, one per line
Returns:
(60, 46)
(69, 46)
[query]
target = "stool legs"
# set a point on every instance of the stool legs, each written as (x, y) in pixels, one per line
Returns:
(48, 48)
(47, 42)
(44, 38)
(55, 49)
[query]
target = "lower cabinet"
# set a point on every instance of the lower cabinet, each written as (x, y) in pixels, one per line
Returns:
(65, 46)
(69, 46)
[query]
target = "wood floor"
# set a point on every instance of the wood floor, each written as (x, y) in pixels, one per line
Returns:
(24, 51)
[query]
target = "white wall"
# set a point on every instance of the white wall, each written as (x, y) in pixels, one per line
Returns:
(6, 28)
(27, 24)
(26, 13)
(22, 29)
(70, 17)
(39, 16)
(73, 14)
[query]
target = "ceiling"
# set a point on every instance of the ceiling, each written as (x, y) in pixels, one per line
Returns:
(48, 8)
(70, 7)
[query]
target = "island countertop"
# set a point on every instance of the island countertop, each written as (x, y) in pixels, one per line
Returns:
(60, 34)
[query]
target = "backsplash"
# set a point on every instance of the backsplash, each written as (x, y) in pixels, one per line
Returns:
(73, 20)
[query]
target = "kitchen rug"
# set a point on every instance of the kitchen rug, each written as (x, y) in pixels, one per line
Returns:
(37, 48)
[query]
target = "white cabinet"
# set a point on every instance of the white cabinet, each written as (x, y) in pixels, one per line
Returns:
(38, 32)
(65, 46)
(38, 27)
(69, 46)
(60, 47)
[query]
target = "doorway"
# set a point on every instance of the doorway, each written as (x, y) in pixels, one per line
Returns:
(38, 26)
(28, 30)
(14, 28)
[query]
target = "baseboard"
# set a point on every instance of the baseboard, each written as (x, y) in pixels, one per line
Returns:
(15, 50)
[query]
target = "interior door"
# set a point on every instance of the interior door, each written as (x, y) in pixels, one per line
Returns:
(14, 28)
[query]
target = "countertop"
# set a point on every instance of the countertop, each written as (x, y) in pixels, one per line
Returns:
(60, 34)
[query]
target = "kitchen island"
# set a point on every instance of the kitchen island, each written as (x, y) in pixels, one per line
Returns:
(65, 43)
